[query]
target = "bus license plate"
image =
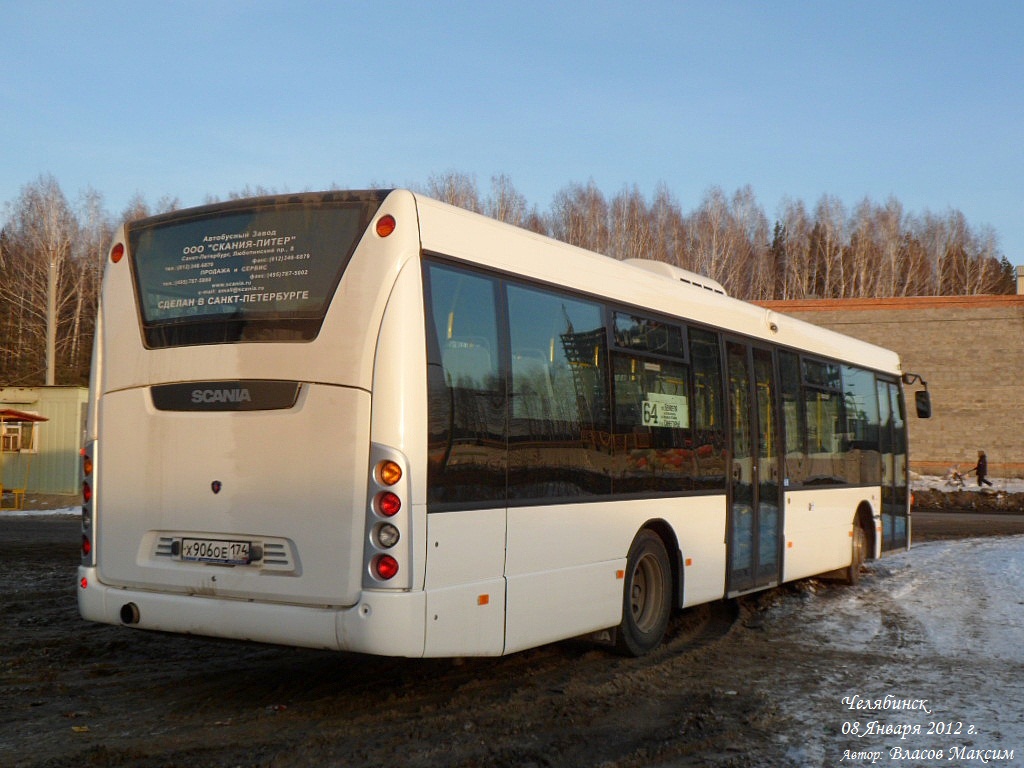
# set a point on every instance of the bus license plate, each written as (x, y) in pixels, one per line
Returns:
(215, 551)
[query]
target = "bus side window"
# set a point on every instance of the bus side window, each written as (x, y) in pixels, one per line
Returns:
(709, 440)
(466, 389)
(794, 423)
(558, 428)
(653, 437)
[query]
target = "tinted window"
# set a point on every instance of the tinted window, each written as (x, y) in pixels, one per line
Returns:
(466, 389)
(668, 425)
(559, 429)
(823, 411)
(864, 461)
(793, 423)
(646, 334)
(528, 404)
(256, 274)
(652, 425)
(709, 438)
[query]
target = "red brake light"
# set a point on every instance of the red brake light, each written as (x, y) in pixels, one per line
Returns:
(385, 567)
(388, 504)
(117, 253)
(86, 492)
(86, 546)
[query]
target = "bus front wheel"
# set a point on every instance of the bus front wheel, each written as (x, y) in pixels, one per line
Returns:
(646, 596)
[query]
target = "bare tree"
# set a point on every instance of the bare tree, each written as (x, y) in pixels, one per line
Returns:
(727, 240)
(37, 281)
(792, 248)
(668, 229)
(457, 189)
(756, 276)
(629, 227)
(88, 256)
(505, 203)
(579, 216)
(878, 250)
(827, 242)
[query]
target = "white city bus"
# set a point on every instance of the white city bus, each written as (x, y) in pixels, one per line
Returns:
(372, 422)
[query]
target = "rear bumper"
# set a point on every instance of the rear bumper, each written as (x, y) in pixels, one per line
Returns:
(382, 623)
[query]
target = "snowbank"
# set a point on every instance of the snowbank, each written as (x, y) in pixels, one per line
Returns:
(66, 511)
(947, 483)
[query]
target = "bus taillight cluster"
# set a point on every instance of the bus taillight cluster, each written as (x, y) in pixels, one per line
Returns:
(386, 508)
(88, 482)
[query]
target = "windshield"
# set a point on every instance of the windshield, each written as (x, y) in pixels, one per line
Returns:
(265, 271)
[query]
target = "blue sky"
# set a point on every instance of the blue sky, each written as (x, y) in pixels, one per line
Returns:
(923, 101)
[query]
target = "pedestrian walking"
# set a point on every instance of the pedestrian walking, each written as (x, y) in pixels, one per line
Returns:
(981, 468)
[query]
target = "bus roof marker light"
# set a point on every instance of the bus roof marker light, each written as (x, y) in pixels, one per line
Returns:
(386, 224)
(117, 253)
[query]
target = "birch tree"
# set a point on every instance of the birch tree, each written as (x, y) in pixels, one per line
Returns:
(41, 230)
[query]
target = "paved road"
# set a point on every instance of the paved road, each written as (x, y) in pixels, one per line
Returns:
(930, 526)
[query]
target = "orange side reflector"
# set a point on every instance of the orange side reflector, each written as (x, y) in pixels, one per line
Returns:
(483, 599)
(689, 562)
(789, 544)
(620, 574)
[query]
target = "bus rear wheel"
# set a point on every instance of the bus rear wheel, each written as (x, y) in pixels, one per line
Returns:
(858, 556)
(646, 596)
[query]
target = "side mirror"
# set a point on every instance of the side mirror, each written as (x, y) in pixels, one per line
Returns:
(923, 403)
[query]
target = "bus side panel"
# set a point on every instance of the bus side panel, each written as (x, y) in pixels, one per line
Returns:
(465, 583)
(562, 569)
(563, 602)
(284, 478)
(701, 533)
(563, 562)
(818, 527)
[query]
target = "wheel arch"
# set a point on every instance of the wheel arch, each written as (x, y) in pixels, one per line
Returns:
(865, 518)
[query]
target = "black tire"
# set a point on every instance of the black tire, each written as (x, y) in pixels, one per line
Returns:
(858, 556)
(646, 596)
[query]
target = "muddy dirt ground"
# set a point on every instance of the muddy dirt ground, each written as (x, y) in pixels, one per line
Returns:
(79, 694)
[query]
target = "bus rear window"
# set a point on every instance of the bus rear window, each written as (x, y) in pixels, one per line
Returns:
(230, 274)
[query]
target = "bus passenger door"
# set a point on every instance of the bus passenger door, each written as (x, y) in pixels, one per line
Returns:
(895, 524)
(755, 517)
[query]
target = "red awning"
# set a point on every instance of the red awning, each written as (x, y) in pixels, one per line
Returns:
(9, 414)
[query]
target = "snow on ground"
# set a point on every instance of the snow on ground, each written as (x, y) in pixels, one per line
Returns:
(41, 512)
(927, 660)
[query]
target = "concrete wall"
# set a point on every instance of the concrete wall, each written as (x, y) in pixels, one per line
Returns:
(970, 350)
